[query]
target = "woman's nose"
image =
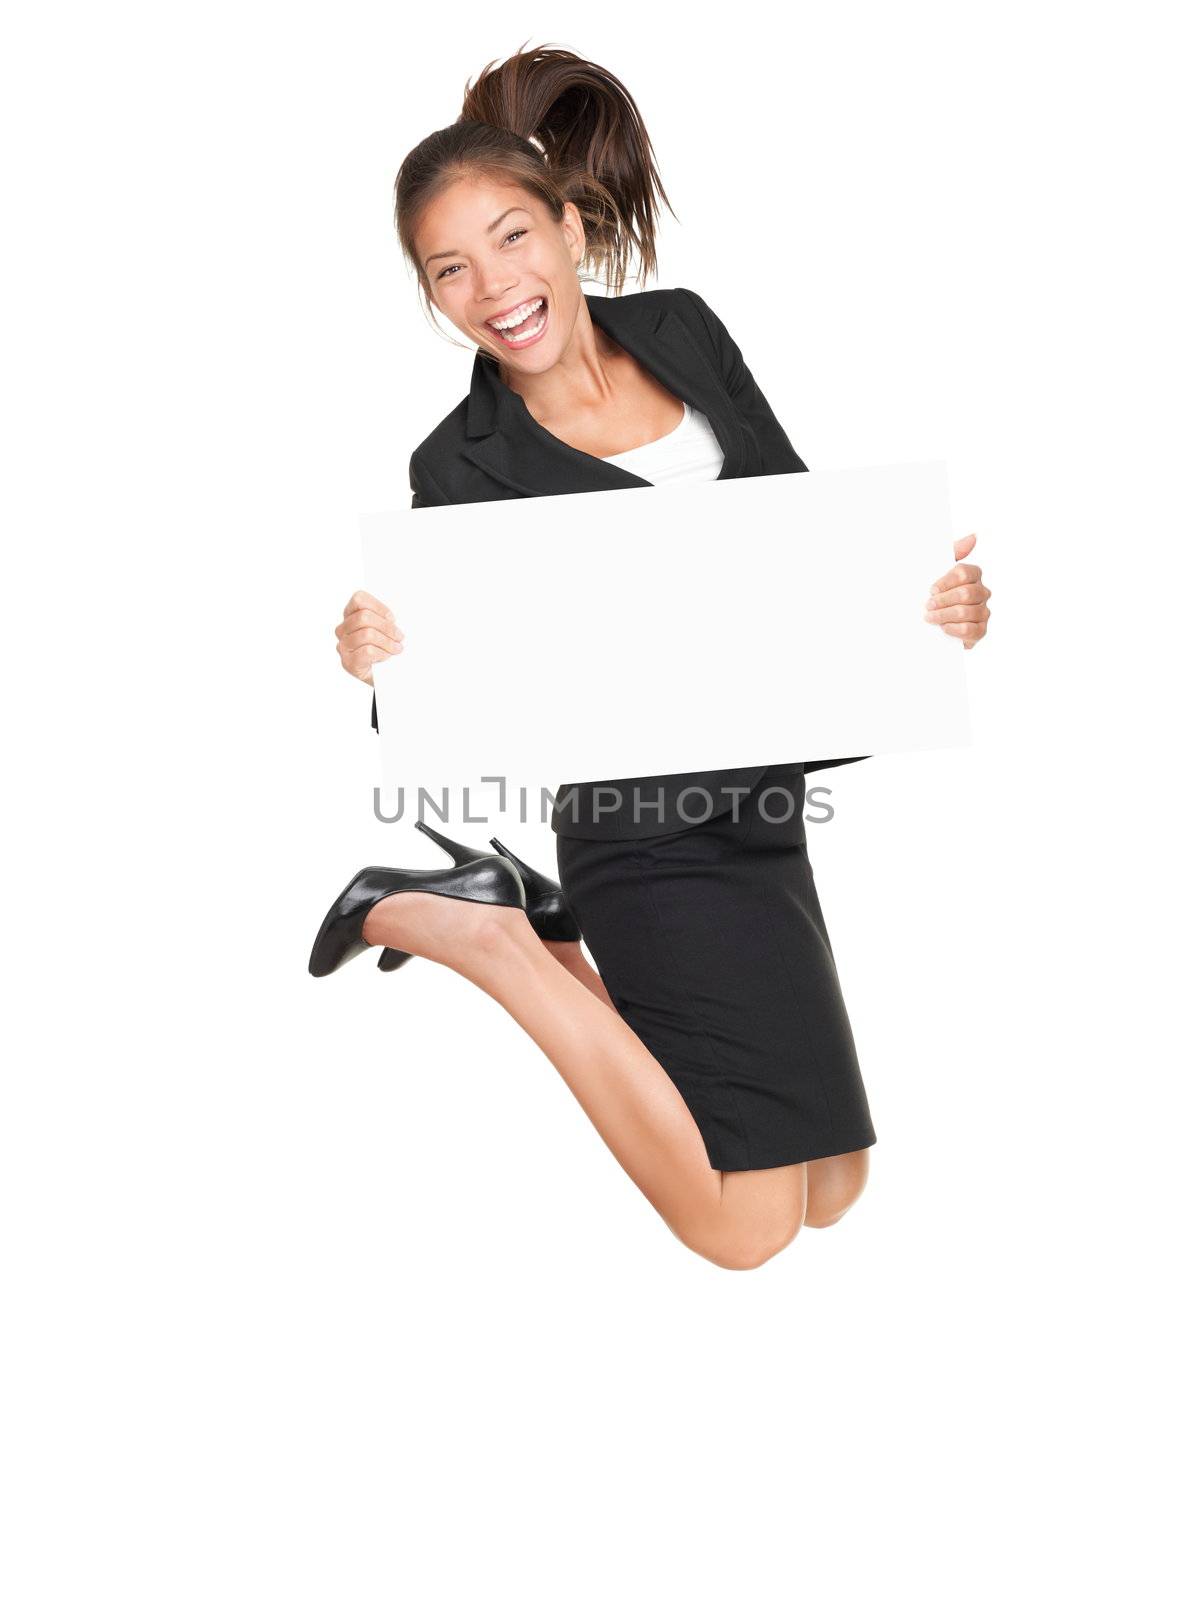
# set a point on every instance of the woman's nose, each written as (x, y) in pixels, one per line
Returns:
(494, 292)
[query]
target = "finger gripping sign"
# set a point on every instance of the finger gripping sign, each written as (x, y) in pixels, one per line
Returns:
(582, 637)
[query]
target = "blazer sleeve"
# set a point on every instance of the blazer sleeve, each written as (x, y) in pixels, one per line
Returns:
(774, 444)
(426, 491)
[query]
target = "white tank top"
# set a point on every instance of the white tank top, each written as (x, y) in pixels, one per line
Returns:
(689, 453)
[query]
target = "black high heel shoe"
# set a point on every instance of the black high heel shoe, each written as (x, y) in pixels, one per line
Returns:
(545, 903)
(462, 855)
(486, 879)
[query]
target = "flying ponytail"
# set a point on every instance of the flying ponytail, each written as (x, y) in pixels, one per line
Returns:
(566, 130)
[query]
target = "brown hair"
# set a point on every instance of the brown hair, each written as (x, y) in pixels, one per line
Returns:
(564, 129)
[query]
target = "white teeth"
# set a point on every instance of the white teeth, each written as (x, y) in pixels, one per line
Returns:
(515, 317)
(524, 338)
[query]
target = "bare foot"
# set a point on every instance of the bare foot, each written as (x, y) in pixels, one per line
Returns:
(456, 933)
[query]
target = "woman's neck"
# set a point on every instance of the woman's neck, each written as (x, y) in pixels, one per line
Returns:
(582, 380)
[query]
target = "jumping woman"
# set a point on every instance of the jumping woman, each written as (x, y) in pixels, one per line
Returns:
(709, 1045)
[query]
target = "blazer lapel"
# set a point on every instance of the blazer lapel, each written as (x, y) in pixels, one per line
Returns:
(506, 441)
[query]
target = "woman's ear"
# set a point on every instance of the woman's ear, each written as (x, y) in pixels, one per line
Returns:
(574, 232)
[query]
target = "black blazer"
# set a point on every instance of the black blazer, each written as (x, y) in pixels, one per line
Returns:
(490, 448)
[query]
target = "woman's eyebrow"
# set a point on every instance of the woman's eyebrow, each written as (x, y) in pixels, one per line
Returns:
(491, 228)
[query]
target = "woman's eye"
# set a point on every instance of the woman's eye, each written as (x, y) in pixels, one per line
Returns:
(515, 234)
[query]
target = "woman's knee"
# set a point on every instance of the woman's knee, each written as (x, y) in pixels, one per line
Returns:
(834, 1184)
(825, 1219)
(741, 1249)
(759, 1214)
(743, 1255)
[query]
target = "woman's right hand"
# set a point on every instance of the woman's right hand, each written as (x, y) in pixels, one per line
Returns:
(366, 634)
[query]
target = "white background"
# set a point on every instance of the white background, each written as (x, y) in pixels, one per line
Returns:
(329, 1289)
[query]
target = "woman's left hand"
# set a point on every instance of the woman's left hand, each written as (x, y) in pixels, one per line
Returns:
(958, 602)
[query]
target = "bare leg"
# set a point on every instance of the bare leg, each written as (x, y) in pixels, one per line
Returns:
(736, 1220)
(568, 954)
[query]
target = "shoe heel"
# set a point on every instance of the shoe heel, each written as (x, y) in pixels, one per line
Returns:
(545, 903)
(461, 854)
(502, 850)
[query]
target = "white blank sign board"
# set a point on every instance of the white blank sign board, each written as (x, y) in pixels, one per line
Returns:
(621, 633)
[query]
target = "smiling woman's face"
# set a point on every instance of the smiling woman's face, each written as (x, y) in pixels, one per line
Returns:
(492, 251)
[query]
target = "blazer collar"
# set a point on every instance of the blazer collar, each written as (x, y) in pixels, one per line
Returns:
(506, 441)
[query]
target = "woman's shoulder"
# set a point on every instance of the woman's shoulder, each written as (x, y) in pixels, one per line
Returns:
(688, 305)
(448, 434)
(648, 305)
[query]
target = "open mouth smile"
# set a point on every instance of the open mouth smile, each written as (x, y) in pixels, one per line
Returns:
(523, 324)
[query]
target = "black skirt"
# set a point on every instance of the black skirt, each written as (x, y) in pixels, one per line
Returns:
(713, 947)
